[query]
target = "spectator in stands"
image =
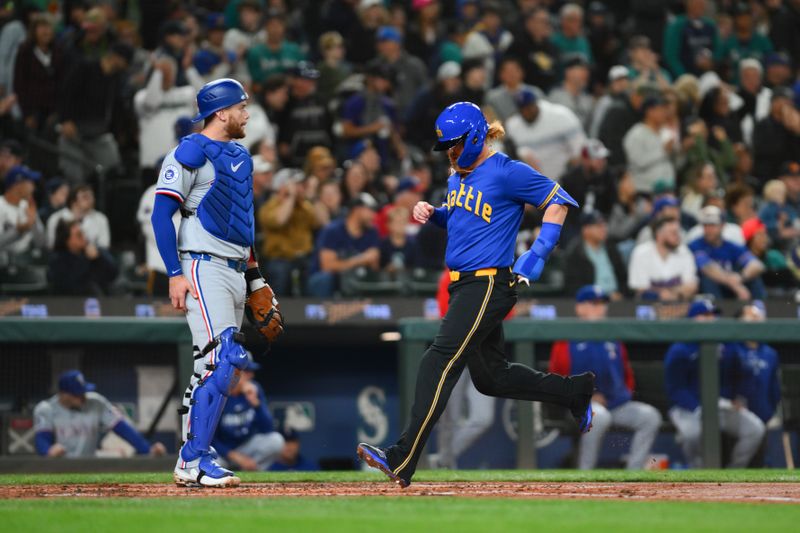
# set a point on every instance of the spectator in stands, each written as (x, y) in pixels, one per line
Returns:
(726, 269)
(776, 270)
(621, 116)
(21, 229)
(716, 113)
(663, 268)
(690, 41)
(290, 459)
(177, 44)
(344, 245)
(776, 138)
(779, 70)
(246, 434)
(319, 167)
(537, 54)
(71, 423)
(10, 156)
(755, 97)
(649, 157)
(244, 35)
(682, 381)
(604, 37)
(790, 176)
(410, 74)
(702, 145)
(262, 181)
(38, 71)
(406, 195)
(397, 247)
(12, 34)
(572, 92)
(503, 100)
(425, 32)
(371, 115)
(275, 55)
(592, 260)
(211, 60)
(665, 204)
(77, 267)
(158, 106)
(618, 87)
(780, 219)
(328, 204)
(80, 207)
(56, 194)
(731, 231)
(570, 38)
(276, 97)
(288, 221)
(629, 213)
(474, 75)
(429, 102)
(305, 121)
(702, 182)
(90, 94)
(612, 402)
(332, 67)
(591, 184)
(643, 63)
(749, 377)
(745, 42)
(93, 38)
(157, 279)
(551, 134)
(740, 202)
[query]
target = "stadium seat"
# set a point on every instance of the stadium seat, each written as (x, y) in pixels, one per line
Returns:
(362, 282)
(423, 282)
(31, 280)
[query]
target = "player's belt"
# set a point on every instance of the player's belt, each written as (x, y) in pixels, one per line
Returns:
(238, 266)
(455, 276)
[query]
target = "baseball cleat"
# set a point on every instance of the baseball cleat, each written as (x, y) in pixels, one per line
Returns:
(583, 411)
(376, 458)
(203, 472)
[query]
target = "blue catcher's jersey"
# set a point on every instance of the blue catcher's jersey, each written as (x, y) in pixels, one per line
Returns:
(485, 208)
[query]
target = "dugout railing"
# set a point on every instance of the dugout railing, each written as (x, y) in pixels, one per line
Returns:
(522, 334)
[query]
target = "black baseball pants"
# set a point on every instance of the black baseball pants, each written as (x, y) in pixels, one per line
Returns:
(471, 333)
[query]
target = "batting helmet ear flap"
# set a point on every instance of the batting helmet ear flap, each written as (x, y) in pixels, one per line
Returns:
(473, 145)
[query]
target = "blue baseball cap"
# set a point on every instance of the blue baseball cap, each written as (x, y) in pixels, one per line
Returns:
(661, 203)
(73, 382)
(409, 183)
(702, 307)
(525, 97)
(19, 173)
(591, 293)
(388, 33)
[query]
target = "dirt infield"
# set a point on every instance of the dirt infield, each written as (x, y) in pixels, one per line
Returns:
(716, 492)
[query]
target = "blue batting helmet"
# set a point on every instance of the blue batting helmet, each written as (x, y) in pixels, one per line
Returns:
(217, 95)
(462, 121)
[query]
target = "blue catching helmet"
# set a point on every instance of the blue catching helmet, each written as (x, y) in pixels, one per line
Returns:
(462, 121)
(217, 95)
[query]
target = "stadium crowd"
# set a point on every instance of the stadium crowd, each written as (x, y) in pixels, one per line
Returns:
(675, 124)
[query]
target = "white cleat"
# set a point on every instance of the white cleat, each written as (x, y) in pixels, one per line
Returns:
(210, 474)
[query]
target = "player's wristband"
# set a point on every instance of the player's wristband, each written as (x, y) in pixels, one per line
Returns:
(547, 240)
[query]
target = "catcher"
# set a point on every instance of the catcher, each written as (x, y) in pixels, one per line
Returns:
(208, 177)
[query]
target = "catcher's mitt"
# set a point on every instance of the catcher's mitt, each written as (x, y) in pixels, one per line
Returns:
(265, 312)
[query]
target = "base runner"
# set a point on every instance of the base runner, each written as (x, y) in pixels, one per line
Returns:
(487, 193)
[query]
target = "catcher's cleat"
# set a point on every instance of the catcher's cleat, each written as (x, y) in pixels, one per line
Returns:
(376, 458)
(203, 472)
(582, 410)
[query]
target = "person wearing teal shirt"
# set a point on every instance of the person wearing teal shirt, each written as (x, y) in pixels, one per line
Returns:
(743, 43)
(276, 55)
(690, 41)
(570, 39)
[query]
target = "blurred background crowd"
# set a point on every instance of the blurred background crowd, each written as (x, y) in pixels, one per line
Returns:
(675, 125)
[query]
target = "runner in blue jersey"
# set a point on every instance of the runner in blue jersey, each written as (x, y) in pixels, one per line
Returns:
(486, 197)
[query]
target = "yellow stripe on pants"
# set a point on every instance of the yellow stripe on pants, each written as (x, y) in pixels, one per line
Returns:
(446, 371)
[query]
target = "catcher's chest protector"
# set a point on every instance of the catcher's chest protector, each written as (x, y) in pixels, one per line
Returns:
(226, 211)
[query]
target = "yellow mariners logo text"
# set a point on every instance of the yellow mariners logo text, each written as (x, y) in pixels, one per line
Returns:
(463, 199)
(438, 132)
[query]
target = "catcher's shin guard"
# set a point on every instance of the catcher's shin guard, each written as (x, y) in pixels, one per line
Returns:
(209, 396)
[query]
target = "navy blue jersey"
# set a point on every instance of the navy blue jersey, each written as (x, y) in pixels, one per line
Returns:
(240, 421)
(682, 375)
(731, 257)
(484, 211)
(751, 372)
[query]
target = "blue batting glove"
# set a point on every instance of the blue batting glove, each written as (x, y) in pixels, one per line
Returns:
(529, 266)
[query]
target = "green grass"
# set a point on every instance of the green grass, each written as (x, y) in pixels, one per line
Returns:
(385, 515)
(753, 476)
